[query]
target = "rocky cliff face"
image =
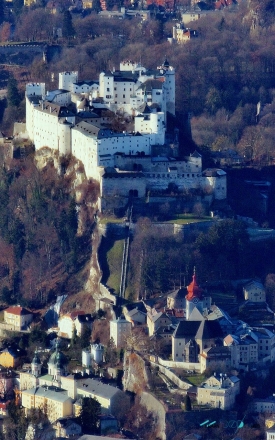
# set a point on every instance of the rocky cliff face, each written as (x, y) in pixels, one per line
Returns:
(136, 379)
(86, 193)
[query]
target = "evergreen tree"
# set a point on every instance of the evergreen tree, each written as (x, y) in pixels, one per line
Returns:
(74, 337)
(68, 30)
(1, 11)
(86, 337)
(111, 353)
(89, 416)
(13, 93)
(187, 403)
(18, 6)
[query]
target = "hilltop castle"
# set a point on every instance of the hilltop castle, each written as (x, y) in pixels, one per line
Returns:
(117, 128)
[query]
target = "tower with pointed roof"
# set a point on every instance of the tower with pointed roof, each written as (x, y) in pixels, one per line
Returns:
(57, 365)
(194, 297)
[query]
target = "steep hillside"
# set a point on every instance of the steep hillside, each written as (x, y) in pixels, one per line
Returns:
(47, 218)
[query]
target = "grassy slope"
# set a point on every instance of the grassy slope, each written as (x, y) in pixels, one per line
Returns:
(114, 259)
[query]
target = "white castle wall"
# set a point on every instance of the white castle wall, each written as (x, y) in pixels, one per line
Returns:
(58, 97)
(218, 184)
(47, 132)
(128, 144)
(84, 148)
(64, 138)
(154, 124)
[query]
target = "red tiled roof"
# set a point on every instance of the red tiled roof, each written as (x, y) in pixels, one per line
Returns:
(76, 313)
(17, 310)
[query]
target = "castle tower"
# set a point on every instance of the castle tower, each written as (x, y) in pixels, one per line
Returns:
(169, 86)
(67, 79)
(194, 297)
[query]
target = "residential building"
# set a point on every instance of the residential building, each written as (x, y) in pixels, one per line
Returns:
(10, 357)
(182, 34)
(77, 321)
(270, 434)
(219, 392)
(156, 319)
(135, 315)
(8, 380)
(67, 427)
(53, 400)
(254, 291)
(18, 317)
(109, 397)
(251, 345)
(218, 357)
(176, 299)
(120, 328)
(263, 405)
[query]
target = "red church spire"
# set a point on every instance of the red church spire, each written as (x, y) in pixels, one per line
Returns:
(194, 290)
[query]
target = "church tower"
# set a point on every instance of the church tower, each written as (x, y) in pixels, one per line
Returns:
(194, 297)
(36, 366)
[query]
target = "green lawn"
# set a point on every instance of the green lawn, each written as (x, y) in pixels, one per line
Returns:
(114, 260)
(105, 220)
(183, 219)
(195, 379)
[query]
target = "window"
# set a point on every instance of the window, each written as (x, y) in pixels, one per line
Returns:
(108, 89)
(123, 96)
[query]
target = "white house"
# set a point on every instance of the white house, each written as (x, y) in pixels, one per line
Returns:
(74, 321)
(119, 330)
(219, 392)
(254, 291)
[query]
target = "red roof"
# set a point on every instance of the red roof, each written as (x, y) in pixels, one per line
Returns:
(76, 313)
(194, 290)
(17, 310)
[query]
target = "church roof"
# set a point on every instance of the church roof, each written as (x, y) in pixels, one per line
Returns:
(58, 357)
(186, 329)
(209, 330)
(36, 360)
(198, 330)
(180, 294)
